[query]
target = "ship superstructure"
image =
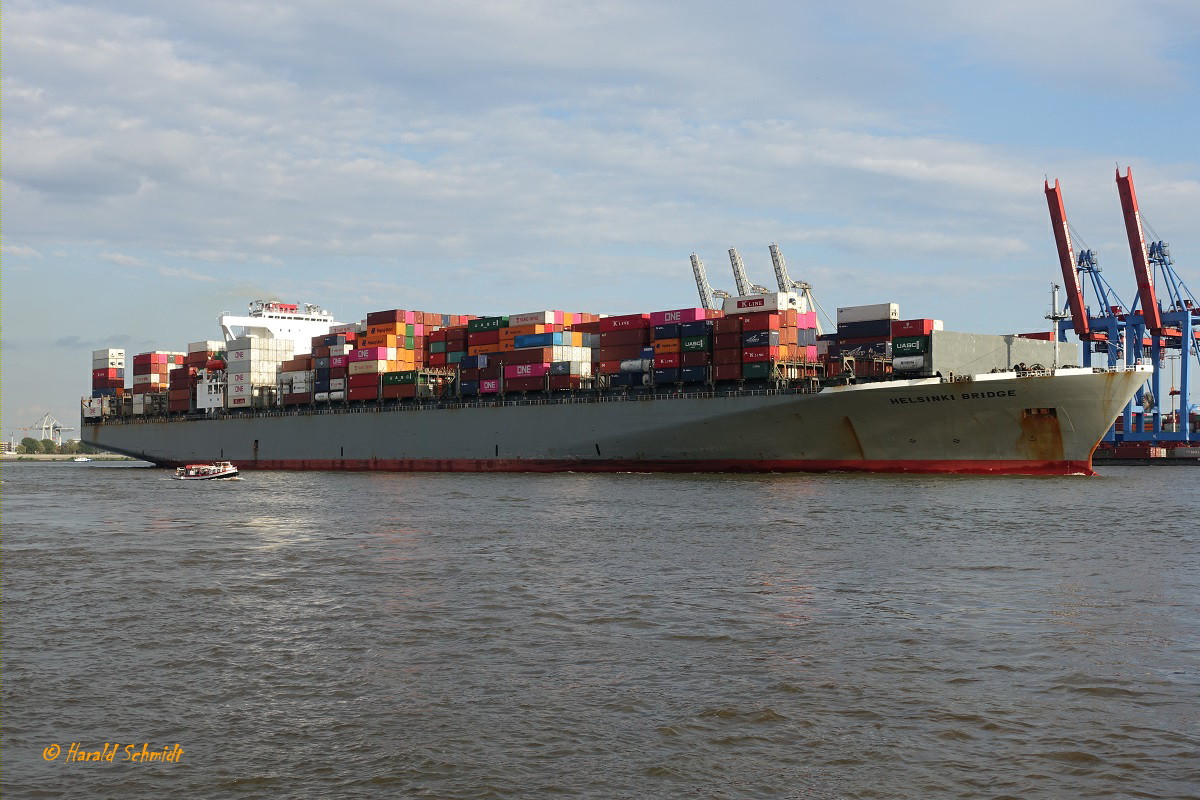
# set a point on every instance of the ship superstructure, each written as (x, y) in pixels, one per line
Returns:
(269, 319)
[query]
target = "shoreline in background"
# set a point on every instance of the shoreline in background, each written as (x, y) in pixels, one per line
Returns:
(62, 457)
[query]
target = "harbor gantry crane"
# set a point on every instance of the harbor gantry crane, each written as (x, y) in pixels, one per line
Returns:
(707, 293)
(744, 286)
(49, 428)
(786, 284)
(1103, 331)
(1126, 333)
(1176, 328)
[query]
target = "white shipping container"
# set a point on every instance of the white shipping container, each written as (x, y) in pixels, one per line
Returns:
(321, 397)
(908, 363)
(337, 384)
(337, 395)
(869, 313)
(148, 378)
(340, 349)
(752, 303)
(108, 353)
(938, 325)
(531, 318)
(367, 367)
(205, 346)
(347, 328)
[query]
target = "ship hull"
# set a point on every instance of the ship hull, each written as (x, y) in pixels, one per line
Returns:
(991, 424)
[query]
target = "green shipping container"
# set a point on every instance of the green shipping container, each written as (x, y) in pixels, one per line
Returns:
(757, 370)
(910, 346)
(455, 356)
(437, 347)
(487, 324)
(394, 378)
(695, 344)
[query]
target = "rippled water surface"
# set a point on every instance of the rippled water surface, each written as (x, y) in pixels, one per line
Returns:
(602, 636)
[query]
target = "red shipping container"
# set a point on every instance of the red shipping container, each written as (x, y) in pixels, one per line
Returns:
(727, 341)
(141, 358)
(728, 325)
(565, 382)
(399, 391)
(368, 379)
(469, 375)
(322, 351)
(338, 372)
(694, 359)
(626, 322)
(618, 353)
(524, 384)
(180, 394)
(667, 360)
(483, 337)
(104, 374)
(913, 327)
(727, 372)
(762, 321)
(179, 405)
(609, 367)
(384, 317)
(490, 372)
(752, 354)
(639, 336)
(436, 359)
(727, 357)
(297, 398)
(362, 393)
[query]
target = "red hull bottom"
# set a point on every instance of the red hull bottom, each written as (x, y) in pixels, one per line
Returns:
(958, 467)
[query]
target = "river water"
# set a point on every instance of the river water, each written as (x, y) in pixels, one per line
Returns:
(600, 636)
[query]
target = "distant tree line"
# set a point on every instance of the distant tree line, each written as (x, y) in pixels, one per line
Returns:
(30, 446)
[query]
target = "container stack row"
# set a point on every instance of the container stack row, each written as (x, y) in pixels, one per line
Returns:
(879, 341)
(252, 370)
(108, 373)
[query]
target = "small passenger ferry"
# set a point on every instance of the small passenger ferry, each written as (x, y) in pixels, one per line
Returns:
(218, 470)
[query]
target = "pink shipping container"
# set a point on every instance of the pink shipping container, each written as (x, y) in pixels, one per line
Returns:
(526, 370)
(338, 361)
(807, 320)
(677, 316)
(490, 386)
(373, 354)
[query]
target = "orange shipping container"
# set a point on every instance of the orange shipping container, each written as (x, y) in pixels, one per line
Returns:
(666, 346)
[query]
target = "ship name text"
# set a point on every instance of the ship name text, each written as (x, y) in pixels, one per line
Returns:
(940, 398)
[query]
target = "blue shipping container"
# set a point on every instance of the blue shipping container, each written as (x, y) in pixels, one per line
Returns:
(469, 387)
(760, 339)
(666, 331)
(538, 340)
(702, 327)
(662, 376)
(694, 374)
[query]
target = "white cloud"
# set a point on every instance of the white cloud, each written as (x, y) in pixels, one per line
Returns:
(19, 250)
(121, 259)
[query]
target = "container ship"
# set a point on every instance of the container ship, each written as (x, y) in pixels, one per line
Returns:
(754, 386)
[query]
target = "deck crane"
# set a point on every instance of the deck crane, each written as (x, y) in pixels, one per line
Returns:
(744, 286)
(786, 284)
(707, 293)
(1066, 261)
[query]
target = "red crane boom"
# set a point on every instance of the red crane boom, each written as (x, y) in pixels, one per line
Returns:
(1066, 260)
(1137, 248)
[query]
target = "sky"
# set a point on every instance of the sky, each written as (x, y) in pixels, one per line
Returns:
(166, 162)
